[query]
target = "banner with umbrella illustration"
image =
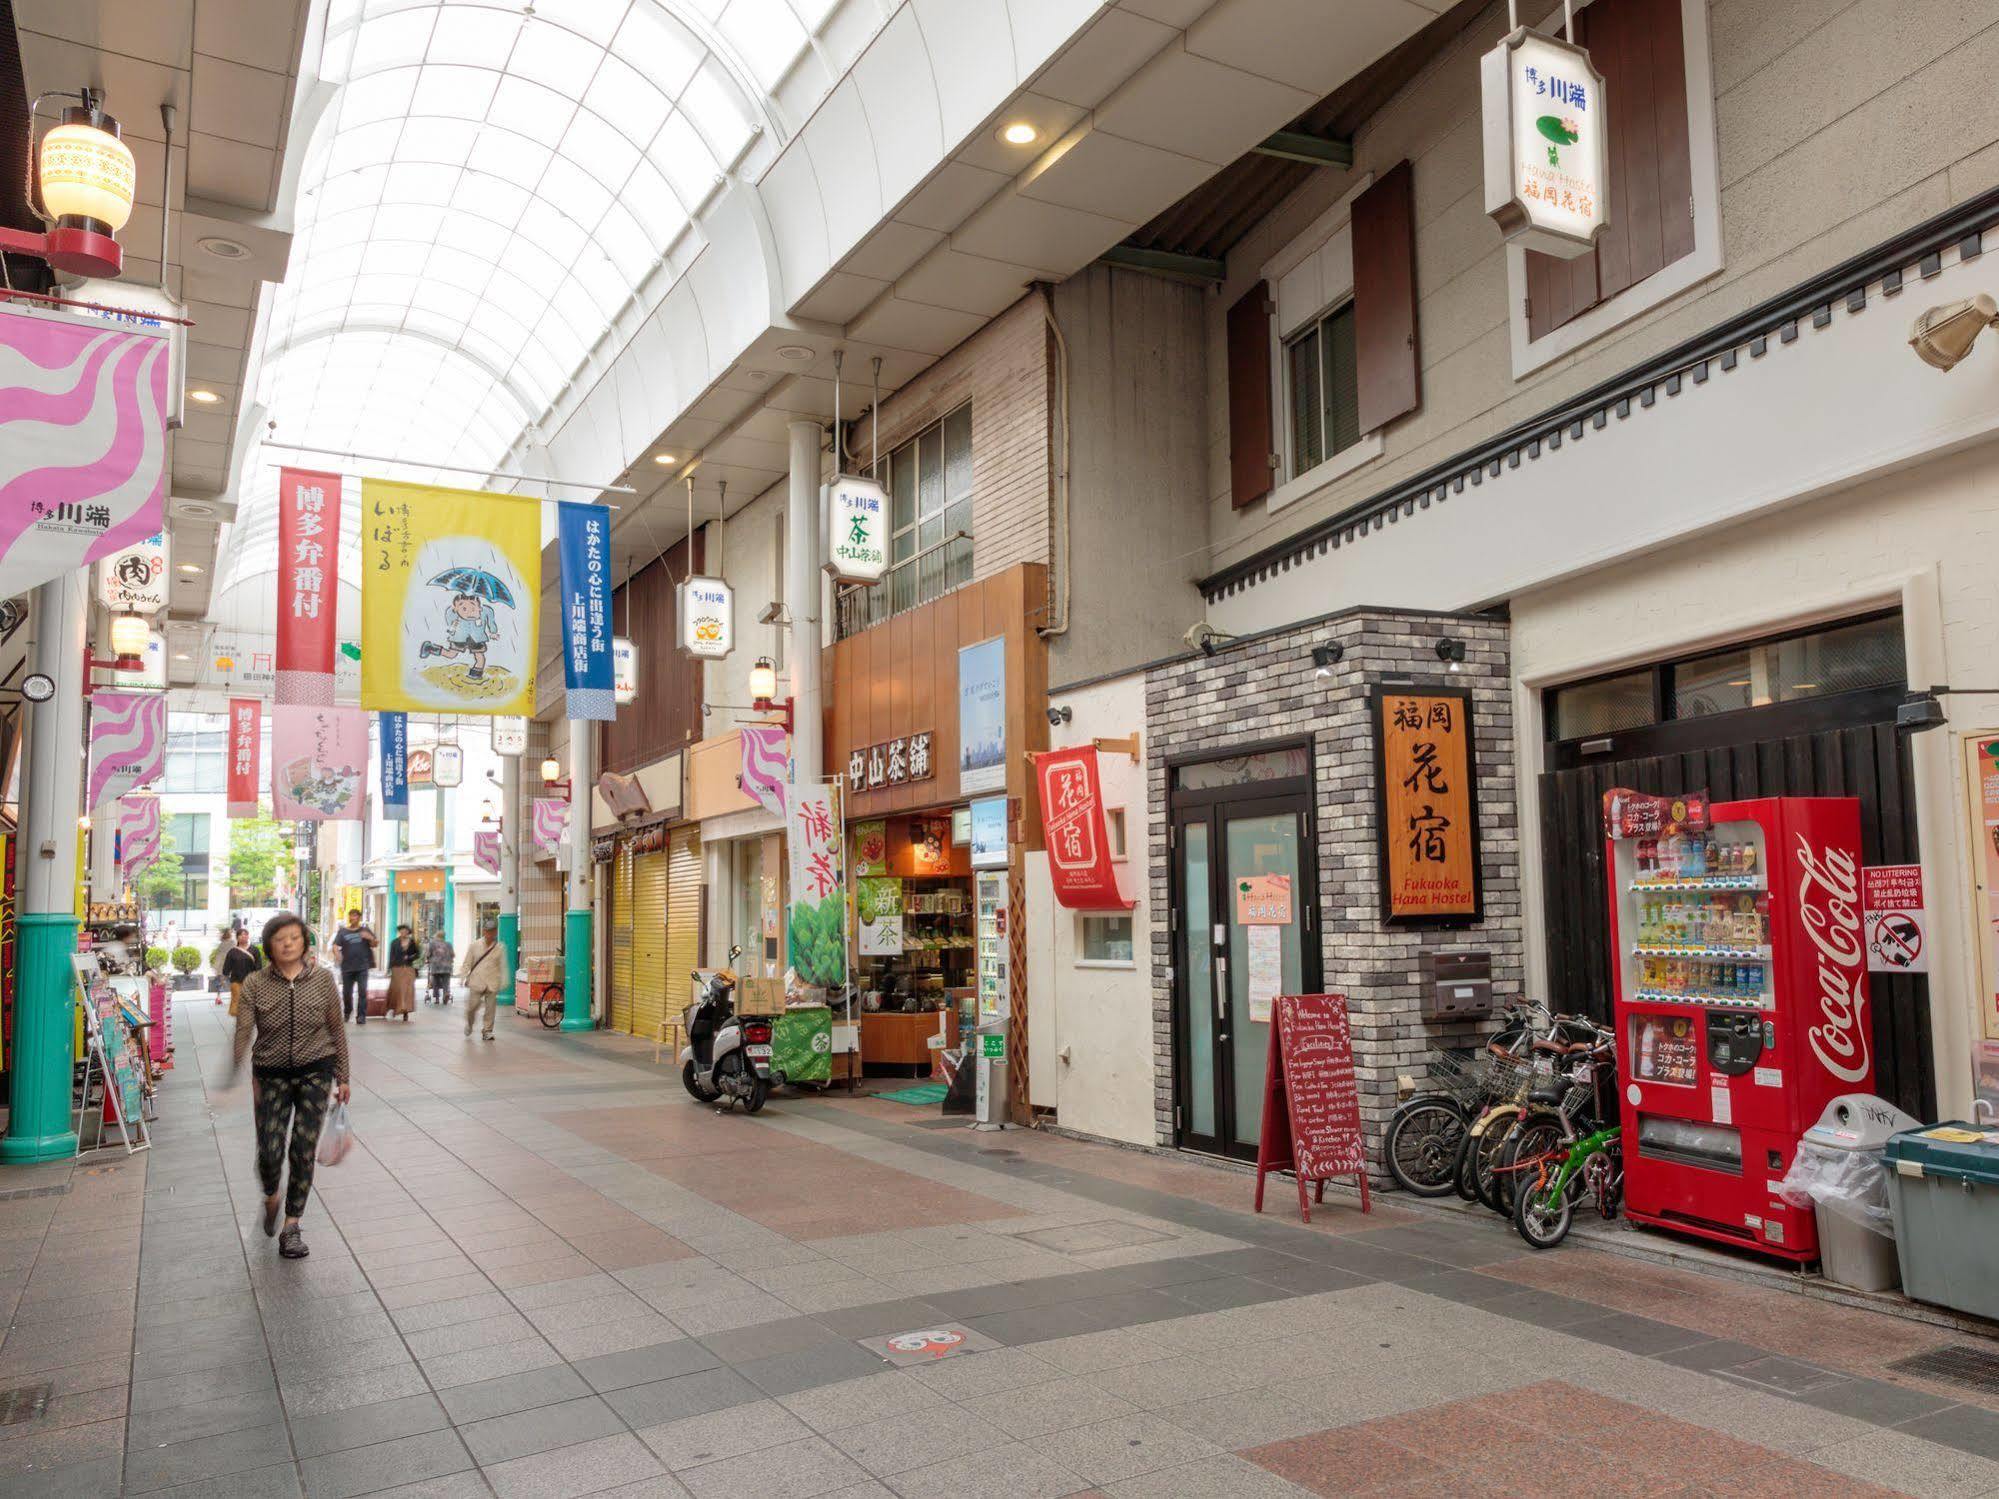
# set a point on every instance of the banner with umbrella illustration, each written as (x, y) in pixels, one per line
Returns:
(450, 584)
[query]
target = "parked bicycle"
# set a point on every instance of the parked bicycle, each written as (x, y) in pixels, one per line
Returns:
(1426, 1135)
(1568, 1143)
(1551, 1055)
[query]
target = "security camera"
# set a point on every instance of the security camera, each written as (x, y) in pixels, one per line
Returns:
(1059, 716)
(1205, 638)
(1943, 335)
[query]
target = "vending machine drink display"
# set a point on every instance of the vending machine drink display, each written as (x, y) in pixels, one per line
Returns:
(1741, 1003)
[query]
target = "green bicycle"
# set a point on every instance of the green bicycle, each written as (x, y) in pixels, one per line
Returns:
(1544, 1203)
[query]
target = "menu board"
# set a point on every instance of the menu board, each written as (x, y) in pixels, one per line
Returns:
(1311, 1103)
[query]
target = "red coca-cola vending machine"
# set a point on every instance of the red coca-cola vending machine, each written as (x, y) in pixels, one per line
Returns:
(1741, 1003)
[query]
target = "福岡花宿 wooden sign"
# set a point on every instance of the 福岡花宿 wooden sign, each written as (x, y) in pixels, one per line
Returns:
(1427, 805)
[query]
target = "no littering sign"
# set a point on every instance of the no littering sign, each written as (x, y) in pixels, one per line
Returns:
(1891, 901)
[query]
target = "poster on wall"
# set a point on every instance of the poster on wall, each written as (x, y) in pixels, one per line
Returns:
(450, 586)
(989, 833)
(878, 906)
(870, 849)
(83, 442)
(982, 716)
(583, 543)
(128, 744)
(1426, 803)
(818, 913)
(1982, 787)
(308, 585)
(1894, 918)
(1266, 969)
(319, 762)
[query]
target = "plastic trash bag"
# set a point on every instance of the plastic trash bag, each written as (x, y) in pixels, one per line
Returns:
(1851, 1183)
(336, 1138)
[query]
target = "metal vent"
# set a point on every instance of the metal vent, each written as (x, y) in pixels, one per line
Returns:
(24, 1404)
(19, 1192)
(1955, 1363)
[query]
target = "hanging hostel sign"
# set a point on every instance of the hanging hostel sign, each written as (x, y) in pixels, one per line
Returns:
(856, 530)
(584, 543)
(246, 728)
(393, 730)
(815, 843)
(450, 585)
(308, 584)
(83, 442)
(1427, 806)
(1546, 144)
(1072, 825)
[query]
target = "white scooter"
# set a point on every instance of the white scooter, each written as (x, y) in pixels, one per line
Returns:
(727, 1055)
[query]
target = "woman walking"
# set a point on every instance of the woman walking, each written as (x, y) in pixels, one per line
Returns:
(403, 955)
(298, 1062)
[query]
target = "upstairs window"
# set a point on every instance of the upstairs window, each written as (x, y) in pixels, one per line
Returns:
(929, 483)
(1325, 390)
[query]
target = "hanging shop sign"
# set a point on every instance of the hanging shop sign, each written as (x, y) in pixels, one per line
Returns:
(814, 845)
(1072, 825)
(651, 839)
(419, 882)
(419, 766)
(135, 580)
(603, 850)
(308, 585)
(319, 762)
(128, 744)
(1894, 918)
(83, 442)
(893, 762)
(856, 530)
(1547, 136)
(138, 828)
(1311, 1103)
(1426, 801)
(583, 537)
(989, 833)
(766, 767)
(550, 821)
(510, 736)
(393, 733)
(246, 733)
(486, 852)
(450, 587)
(707, 610)
(982, 716)
(447, 766)
(624, 671)
(878, 916)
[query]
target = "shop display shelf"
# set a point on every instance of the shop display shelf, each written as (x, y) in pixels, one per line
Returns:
(1701, 950)
(1694, 883)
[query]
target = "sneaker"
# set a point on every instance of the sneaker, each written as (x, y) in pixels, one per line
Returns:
(428, 649)
(291, 1244)
(475, 674)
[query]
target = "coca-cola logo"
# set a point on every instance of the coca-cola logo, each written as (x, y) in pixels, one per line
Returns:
(1829, 906)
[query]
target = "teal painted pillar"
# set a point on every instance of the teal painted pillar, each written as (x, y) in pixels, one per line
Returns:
(510, 945)
(511, 821)
(577, 948)
(41, 1127)
(389, 915)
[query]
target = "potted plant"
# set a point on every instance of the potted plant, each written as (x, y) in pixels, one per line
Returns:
(187, 959)
(156, 960)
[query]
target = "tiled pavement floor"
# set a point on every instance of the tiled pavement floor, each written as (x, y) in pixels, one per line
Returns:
(544, 1271)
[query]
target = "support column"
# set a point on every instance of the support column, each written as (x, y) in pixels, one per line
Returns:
(40, 1127)
(578, 940)
(802, 595)
(512, 825)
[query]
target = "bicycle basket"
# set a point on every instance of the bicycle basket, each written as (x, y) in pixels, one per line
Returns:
(1462, 1075)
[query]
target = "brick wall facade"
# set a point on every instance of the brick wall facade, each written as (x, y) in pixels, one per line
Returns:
(1267, 689)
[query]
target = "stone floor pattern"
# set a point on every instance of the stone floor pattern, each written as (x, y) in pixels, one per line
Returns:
(544, 1271)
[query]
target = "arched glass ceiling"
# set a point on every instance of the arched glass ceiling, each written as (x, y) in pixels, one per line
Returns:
(493, 182)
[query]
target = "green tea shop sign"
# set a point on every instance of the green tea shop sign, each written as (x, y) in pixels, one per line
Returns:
(1546, 144)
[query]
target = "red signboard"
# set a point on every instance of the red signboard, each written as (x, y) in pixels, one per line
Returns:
(246, 717)
(308, 584)
(1072, 824)
(1897, 923)
(1311, 1104)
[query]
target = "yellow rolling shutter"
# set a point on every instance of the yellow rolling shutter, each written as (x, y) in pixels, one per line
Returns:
(649, 979)
(619, 1001)
(683, 913)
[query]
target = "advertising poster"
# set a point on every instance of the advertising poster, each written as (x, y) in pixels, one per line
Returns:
(989, 833)
(246, 734)
(583, 543)
(239, 661)
(128, 744)
(550, 819)
(818, 886)
(393, 733)
(450, 586)
(982, 716)
(1426, 799)
(878, 904)
(766, 766)
(319, 761)
(1982, 774)
(83, 442)
(308, 585)
(135, 580)
(870, 849)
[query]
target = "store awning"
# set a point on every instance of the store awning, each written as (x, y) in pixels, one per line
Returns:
(1080, 866)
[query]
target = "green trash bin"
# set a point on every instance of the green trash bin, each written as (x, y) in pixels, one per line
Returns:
(801, 1045)
(1945, 1189)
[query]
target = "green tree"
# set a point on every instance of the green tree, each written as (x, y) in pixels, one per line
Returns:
(158, 885)
(256, 847)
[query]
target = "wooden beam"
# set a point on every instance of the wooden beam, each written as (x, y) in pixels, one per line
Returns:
(1313, 150)
(1167, 262)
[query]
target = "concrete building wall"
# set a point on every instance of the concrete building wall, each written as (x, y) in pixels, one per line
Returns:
(1137, 355)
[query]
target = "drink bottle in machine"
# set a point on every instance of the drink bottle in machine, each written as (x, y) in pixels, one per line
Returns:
(1741, 1003)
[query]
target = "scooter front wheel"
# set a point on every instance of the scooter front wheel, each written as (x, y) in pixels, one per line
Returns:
(693, 1086)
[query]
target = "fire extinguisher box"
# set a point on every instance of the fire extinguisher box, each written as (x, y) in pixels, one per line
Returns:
(1944, 1185)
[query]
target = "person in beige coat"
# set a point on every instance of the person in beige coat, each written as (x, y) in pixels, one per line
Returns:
(484, 973)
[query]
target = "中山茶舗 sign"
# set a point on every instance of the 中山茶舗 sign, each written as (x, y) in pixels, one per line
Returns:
(1427, 803)
(1546, 144)
(856, 530)
(893, 762)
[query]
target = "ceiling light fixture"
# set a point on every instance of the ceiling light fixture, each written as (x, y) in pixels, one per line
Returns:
(1020, 133)
(190, 567)
(796, 353)
(195, 510)
(664, 459)
(206, 397)
(224, 249)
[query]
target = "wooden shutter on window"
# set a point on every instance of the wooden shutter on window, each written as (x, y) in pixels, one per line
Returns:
(1384, 297)
(1250, 441)
(1640, 48)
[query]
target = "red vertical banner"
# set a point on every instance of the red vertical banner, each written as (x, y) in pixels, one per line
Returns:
(245, 736)
(308, 584)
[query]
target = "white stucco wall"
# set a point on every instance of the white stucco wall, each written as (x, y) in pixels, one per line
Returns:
(1102, 1016)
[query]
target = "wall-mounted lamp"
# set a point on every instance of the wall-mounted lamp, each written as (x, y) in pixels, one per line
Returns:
(1452, 652)
(1059, 716)
(1920, 711)
(763, 692)
(88, 180)
(1325, 658)
(129, 634)
(1941, 336)
(551, 770)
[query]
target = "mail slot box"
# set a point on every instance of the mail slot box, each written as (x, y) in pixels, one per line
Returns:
(1457, 985)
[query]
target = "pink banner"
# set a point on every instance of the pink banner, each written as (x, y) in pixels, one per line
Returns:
(83, 442)
(486, 852)
(138, 832)
(319, 760)
(551, 822)
(308, 584)
(766, 767)
(128, 743)
(246, 728)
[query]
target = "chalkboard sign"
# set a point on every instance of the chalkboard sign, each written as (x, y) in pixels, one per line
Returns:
(1311, 1105)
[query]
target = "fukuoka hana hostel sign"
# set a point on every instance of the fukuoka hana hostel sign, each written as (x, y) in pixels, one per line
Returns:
(1546, 144)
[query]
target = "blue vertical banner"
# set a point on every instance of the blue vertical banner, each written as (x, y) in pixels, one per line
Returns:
(584, 541)
(395, 736)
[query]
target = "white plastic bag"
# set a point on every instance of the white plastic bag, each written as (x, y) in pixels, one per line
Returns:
(336, 1138)
(1851, 1183)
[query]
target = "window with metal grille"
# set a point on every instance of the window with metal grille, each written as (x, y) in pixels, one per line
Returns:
(929, 483)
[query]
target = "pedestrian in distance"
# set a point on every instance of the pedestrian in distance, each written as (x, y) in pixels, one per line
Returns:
(485, 970)
(440, 956)
(403, 955)
(237, 965)
(355, 946)
(289, 1022)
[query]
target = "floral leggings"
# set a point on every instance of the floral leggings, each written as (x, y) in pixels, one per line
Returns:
(298, 1103)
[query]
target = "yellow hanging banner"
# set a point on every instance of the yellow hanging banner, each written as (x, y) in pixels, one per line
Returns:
(450, 582)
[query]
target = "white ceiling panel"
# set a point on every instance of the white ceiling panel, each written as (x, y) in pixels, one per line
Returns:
(1293, 42)
(1110, 175)
(235, 102)
(952, 193)
(1096, 62)
(232, 172)
(915, 326)
(258, 33)
(1053, 239)
(968, 283)
(1200, 108)
(1051, 119)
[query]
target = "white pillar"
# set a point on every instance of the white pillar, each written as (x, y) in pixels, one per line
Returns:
(514, 827)
(802, 594)
(52, 793)
(582, 775)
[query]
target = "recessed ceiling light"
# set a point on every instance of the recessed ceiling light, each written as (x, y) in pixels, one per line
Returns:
(664, 459)
(195, 510)
(181, 656)
(224, 249)
(1805, 686)
(1019, 133)
(206, 397)
(796, 353)
(190, 567)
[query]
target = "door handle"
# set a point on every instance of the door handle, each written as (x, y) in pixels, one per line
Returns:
(1222, 989)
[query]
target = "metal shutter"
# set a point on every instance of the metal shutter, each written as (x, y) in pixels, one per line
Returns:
(683, 912)
(649, 982)
(618, 1003)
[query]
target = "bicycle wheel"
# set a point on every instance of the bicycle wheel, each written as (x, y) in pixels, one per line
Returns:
(1533, 1136)
(1422, 1143)
(551, 1006)
(1542, 1218)
(1486, 1157)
